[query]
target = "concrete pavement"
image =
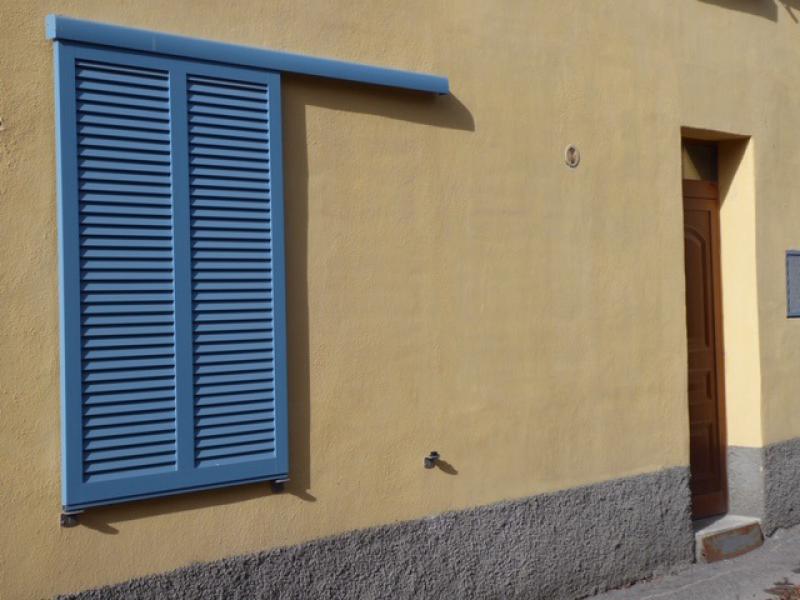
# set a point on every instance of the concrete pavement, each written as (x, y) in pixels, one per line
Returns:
(753, 576)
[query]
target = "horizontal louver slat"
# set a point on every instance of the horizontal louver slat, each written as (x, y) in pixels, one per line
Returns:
(133, 440)
(129, 451)
(114, 409)
(165, 393)
(126, 271)
(122, 419)
(234, 399)
(232, 328)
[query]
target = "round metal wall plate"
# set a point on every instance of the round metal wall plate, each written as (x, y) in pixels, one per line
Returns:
(572, 156)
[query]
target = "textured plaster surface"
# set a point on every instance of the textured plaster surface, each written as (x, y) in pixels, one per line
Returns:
(563, 545)
(782, 483)
(757, 575)
(740, 323)
(451, 284)
(765, 483)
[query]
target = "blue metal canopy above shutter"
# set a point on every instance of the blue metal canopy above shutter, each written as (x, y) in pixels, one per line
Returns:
(62, 28)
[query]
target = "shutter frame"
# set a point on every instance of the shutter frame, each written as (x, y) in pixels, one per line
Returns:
(69, 268)
(77, 493)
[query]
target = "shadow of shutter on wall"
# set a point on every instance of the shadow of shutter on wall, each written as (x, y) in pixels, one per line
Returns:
(172, 283)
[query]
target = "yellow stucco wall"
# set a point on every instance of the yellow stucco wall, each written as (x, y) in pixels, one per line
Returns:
(452, 285)
(743, 399)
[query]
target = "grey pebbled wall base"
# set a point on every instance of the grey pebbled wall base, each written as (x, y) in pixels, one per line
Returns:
(782, 485)
(563, 545)
(765, 483)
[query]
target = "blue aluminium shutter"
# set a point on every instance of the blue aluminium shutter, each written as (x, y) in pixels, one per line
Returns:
(172, 284)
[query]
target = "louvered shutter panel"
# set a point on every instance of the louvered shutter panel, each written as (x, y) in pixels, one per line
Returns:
(232, 275)
(126, 274)
(171, 225)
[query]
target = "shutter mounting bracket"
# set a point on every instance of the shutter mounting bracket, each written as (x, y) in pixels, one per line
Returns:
(431, 460)
(278, 485)
(70, 519)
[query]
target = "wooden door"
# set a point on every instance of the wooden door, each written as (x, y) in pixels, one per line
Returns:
(703, 326)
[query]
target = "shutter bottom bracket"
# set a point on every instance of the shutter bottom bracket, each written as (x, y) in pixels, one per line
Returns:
(70, 519)
(278, 485)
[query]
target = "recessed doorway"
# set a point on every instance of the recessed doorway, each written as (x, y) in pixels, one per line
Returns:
(706, 393)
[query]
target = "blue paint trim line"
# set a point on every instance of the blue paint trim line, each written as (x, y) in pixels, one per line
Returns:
(89, 32)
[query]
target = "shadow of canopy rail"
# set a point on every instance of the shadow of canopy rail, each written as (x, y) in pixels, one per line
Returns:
(767, 9)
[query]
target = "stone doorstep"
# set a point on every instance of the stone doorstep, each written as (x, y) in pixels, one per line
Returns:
(720, 538)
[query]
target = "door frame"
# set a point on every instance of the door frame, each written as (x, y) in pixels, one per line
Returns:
(706, 193)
